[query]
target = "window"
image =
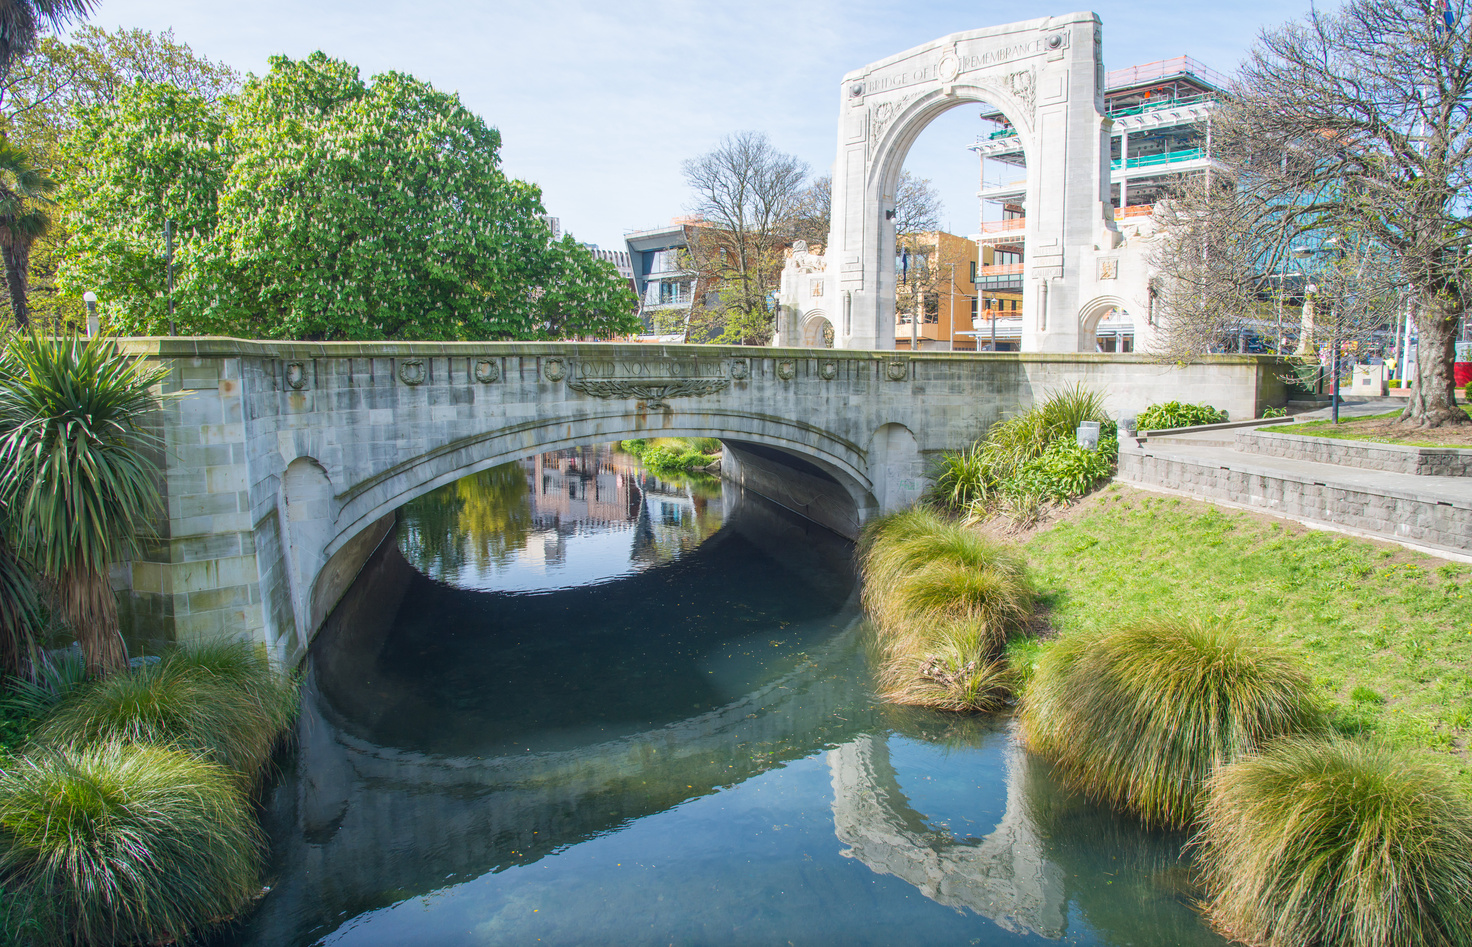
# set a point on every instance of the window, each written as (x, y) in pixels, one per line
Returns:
(973, 272)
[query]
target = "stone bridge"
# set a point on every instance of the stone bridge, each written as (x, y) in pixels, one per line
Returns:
(285, 461)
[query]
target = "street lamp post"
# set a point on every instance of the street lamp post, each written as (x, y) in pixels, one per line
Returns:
(90, 298)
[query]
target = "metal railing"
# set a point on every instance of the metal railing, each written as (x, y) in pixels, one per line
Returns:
(1151, 161)
(1164, 104)
(1161, 69)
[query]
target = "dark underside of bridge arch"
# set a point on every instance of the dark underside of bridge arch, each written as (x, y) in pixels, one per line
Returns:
(794, 483)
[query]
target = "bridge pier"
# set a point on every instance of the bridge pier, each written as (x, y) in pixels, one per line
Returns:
(283, 461)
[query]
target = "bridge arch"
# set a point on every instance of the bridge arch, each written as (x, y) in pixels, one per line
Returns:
(358, 507)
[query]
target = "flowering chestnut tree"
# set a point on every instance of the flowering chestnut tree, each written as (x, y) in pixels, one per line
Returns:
(348, 209)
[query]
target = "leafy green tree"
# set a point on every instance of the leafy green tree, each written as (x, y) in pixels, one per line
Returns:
(76, 476)
(45, 98)
(357, 210)
(156, 154)
(321, 206)
(25, 196)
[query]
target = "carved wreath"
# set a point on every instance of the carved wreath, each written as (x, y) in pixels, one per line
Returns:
(411, 371)
(828, 369)
(654, 394)
(487, 371)
(554, 368)
(786, 369)
(897, 370)
(740, 369)
(296, 374)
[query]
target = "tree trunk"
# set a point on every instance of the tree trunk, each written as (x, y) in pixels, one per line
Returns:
(89, 606)
(15, 283)
(1432, 401)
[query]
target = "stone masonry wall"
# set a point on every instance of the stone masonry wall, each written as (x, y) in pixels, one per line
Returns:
(1419, 518)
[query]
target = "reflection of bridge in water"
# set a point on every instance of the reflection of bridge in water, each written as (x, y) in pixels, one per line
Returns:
(1004, 876)
(367, 822)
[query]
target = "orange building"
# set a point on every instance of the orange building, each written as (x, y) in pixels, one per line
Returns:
(935, 292)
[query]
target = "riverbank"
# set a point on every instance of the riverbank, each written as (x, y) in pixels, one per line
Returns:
(1385, 633)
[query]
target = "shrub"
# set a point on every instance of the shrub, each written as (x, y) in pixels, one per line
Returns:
(1171, 414)
(1393, 383)
(223, 702)
(1034, 453)
(1060, 473)
(1140, 717)
(116, 843)
(1337, 843)
(962, 477)
(1467, 393)
(942, 598)
(1274, 412)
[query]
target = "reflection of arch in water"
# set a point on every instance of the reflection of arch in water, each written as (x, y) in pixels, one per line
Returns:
(1003, 877)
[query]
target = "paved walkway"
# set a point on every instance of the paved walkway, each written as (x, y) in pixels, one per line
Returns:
(1433, 514)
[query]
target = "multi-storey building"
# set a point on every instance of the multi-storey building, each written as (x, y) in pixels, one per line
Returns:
(1161, 131)
(665, 286)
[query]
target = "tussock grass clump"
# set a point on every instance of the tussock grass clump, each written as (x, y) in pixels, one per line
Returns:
(1140, 717)
(223, 702)
(117, 843)
(1337, 843)
(943, 598)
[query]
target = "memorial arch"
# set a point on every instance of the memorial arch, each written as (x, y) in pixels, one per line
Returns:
(1046, 76)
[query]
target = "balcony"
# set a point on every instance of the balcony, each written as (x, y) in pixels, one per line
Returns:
(1158, 160)
(1138, 210)
(999, 269)
(1181, 102)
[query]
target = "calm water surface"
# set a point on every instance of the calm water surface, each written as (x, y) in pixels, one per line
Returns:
(575, 704)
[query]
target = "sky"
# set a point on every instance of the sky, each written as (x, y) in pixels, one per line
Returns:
(600, 103)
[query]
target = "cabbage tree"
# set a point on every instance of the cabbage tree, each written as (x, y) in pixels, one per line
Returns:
(76, 473)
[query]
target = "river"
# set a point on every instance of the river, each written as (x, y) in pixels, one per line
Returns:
(573, 703)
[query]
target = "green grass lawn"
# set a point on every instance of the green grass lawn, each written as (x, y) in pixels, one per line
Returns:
(1385, 632)
(1354, 430)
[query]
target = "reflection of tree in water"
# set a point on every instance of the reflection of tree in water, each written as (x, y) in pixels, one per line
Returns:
(482, 519)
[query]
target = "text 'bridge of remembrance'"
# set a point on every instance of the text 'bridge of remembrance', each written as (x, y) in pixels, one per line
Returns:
(285, 461)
